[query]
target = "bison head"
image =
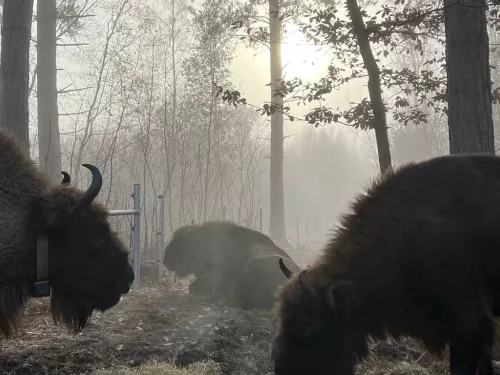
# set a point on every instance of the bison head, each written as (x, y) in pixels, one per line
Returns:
(318, 332)
(88, 264)
(181, 253)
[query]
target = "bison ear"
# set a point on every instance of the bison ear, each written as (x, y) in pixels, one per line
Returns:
(342, 298)
(51, 218)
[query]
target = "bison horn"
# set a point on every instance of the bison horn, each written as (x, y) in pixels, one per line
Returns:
(66, 179)
(285, 269)
(92, 191)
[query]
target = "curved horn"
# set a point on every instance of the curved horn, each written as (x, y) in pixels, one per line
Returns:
(66, 179)
(285, 269)
(92, 191)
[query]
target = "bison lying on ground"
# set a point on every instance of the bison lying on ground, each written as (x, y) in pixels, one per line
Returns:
(418, 256)
(261, 280)
(55, 234)
(216, 253)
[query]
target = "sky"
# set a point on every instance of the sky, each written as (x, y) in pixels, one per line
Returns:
(300, 58)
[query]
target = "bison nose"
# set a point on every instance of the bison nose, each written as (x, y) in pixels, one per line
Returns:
(128, 282)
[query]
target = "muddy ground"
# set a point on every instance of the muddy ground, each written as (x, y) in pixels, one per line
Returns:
(165, 324)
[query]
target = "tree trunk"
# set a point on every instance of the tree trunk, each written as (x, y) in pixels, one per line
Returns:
(48, 116)
(170, 164)
(470, 119)
(14, 70)
(374, 86)
(277, 215)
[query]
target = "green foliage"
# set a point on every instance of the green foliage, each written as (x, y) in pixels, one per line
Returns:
(397, 28)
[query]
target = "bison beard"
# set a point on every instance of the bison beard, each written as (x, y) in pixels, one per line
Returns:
(71, 312)
(88, 265)
(417, 256)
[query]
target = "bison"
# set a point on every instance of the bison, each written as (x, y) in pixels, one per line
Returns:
(418, 255)
(200, 286)
(55, 240)
(260, 281)
(217, 252)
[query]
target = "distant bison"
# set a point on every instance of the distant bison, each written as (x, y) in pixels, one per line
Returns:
(55, 235)
(200, 286)
(216, 253)
(419, 255)
(261, 280)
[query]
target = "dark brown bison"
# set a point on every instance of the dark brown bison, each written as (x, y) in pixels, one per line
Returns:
(417, 256)
(55, 235)
(200, 286)
(261, 280)
(216, 252)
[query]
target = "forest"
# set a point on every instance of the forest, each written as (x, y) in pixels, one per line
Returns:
(271, 114)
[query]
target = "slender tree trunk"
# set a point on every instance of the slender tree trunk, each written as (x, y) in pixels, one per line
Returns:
(146, 149)
(470, 119)
(14, 70)
(170, 163)
(277, 215)
(48, 116)
(374, 86)
(209, 135)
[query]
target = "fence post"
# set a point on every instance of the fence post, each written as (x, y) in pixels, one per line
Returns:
(298, 244)
(307, 231)
(260, 219)
(137, 236)
(161, 234)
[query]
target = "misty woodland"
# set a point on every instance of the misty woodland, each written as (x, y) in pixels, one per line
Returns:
(249, 187)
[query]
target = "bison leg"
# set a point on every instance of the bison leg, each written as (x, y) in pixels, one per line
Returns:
(200, 287)
(487, 367)
(469, 355)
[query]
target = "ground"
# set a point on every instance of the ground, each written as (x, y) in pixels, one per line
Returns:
(154, 328)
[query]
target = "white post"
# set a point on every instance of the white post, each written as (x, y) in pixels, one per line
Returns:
(161, 234)
(137, 236)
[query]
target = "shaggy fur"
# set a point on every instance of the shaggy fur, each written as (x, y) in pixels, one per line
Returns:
(88, 264)
(419, 256)
(200, 286)
(217, 251)
(261, 280)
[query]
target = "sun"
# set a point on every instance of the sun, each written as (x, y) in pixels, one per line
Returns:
(301, 58)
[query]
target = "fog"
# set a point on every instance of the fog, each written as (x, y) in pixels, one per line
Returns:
(136, 100)
(171, 101)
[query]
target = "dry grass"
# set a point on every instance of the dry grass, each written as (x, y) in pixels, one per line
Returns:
(164, 323)
(151, 331)
(160, 368)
